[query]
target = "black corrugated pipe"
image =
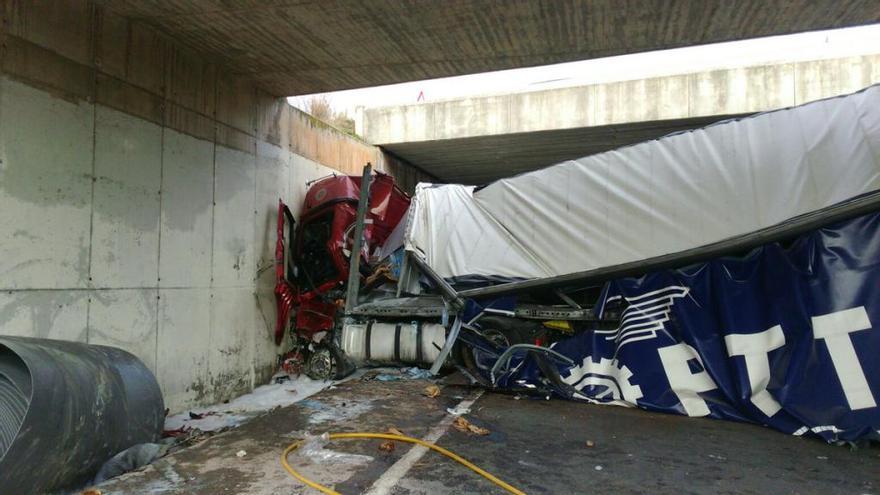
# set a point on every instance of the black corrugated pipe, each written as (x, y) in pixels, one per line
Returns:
(67, 407)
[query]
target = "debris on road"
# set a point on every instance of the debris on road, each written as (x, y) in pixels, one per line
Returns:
(230, 415)
(387, 446)
(590, 443)
(241, 453)
(466, 426)
(431, 391)
(193, 415)
(458, 410)
(130, 459)
(312, 448)
(393, 375)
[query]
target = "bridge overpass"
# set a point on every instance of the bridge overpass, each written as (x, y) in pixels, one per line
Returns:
(476, 140)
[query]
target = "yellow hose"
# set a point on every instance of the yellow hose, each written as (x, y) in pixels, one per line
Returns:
(388, 436)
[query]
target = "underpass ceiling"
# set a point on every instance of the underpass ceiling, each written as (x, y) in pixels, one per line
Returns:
(300, 47)
(479, 160)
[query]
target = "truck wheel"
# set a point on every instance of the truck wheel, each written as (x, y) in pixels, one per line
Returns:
(320, 365)
(505, 332)
(501, 331)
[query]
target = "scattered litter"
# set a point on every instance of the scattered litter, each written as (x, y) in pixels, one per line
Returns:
(167, 470)
(232, 413)
(388, 378)
(598, 468)
(431, 391)
(821, 457)
(336, 410)
(313, 449)
(395, 431)
(130, 459)
(590, 443)
(387, 446)
(528, 464)
(91, 491)
(193, 415)
(458, 410)
(241, 453)
(370, 375)
(412, 373)
(311, 404)
(415, 373)
(466, 426)
(718, 457)
(183, 430)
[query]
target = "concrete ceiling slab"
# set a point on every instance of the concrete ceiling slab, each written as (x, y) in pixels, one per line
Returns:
(483, 159)
(300, 47)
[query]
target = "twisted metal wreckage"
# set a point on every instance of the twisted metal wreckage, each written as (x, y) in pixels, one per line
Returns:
(728, 272)
(725, 272)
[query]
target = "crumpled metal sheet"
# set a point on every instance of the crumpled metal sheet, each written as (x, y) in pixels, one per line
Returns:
(67, 407)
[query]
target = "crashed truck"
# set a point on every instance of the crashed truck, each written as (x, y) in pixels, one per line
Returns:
(731, 271)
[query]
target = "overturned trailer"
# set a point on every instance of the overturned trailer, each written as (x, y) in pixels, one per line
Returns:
(728, 271)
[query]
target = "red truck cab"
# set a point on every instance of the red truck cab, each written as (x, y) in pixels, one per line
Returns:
(311, 273)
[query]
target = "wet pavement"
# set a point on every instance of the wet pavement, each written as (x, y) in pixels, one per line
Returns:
(536, 445)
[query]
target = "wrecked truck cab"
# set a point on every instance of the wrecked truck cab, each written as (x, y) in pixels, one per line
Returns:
(323, 243)
(399, 311)
(313, 259)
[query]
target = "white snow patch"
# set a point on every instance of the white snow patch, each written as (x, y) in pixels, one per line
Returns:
(260, 400)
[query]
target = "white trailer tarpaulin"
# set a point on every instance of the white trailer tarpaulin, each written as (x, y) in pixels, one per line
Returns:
(655, 198)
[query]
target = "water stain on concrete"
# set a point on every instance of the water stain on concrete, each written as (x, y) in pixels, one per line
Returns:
(25, 234)
(200, 390)
(47, 147)
(228, 385)
(42, 311)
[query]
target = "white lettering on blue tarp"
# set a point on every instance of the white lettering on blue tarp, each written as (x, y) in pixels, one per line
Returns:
(686, 384)
(834, 329)
(609, 380)
(644, 315)
(755, 348)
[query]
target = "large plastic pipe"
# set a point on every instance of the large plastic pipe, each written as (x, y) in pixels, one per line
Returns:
(67, 407)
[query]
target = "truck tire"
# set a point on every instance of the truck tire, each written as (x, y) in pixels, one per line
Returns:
(502, 331)
(506, 331)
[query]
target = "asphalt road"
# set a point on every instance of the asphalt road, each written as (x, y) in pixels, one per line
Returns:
(536, 445)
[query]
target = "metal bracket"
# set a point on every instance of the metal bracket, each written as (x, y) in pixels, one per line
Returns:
(507, 355)
(354, 261)
(447, 347)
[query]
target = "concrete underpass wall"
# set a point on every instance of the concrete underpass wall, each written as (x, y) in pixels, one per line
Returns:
(138, 192)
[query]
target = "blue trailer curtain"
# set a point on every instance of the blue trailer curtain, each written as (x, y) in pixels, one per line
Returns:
(786, 336)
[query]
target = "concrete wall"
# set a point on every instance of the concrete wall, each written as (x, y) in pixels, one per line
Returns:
(720, 92)
(138, 190)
